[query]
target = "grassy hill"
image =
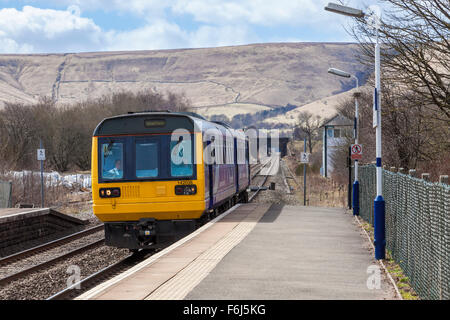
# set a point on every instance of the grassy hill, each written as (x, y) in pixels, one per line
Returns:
(225, 80)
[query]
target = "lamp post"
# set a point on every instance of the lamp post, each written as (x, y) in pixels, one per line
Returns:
(344, 74)
(379, 204)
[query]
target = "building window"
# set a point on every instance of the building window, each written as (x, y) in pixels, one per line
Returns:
(330, 133)
(337, 133)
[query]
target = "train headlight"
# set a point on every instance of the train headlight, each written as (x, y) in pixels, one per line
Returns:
(186, 189)
(109, 192)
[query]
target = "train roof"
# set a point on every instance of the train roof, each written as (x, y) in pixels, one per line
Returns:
(156, 122)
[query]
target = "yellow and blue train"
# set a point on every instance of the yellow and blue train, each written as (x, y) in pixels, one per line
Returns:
(157, 175)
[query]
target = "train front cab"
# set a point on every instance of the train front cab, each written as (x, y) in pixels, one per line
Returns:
(141, 195)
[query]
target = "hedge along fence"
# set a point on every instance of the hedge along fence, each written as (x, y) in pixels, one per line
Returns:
(417, 227)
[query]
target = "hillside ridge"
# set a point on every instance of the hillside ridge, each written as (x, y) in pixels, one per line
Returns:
(266, 75)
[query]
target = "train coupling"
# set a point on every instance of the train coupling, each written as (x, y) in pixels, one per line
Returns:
(146, 228)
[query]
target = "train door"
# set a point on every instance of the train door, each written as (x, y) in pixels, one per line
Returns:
(247, 159)
(236, 166)
(209, 173)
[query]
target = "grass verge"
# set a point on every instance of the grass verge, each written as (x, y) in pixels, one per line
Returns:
(394, 269)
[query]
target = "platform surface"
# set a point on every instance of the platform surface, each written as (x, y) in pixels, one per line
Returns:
(295, 252)
(258, 251)
(4, 212)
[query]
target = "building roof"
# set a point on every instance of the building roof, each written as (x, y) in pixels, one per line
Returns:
(338, 120)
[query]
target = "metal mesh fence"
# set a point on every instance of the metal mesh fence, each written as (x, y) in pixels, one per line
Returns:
(417, 227)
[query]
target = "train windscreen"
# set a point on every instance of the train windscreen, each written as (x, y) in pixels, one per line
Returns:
(150, 157)
(181, 158)
(147, 159)
(112, 160)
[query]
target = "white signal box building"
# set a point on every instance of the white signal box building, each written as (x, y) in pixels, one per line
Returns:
(334, 132)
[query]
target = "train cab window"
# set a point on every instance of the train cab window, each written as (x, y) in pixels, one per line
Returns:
(112, 160)
(146, 159)
(181, 160)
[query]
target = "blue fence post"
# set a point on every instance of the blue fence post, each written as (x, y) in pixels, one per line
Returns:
(356, 198)
(379, 227)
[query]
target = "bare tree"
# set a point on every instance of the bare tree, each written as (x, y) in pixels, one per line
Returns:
(410, 135)
(16, 130)
(308, 125)
(66, 131)
(415, 37)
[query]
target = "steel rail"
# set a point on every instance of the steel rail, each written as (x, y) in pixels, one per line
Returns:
(50, 262)
(99, 276)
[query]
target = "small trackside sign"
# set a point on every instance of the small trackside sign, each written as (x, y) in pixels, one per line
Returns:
(356, 152)
(304, 157)
(41, 154)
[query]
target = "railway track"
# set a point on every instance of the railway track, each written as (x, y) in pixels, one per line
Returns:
(55, 258)
(47, 263)
(132, 259)
(269, 163)
(49, 245)
(287, 174)
(19, 261)
(100, 276)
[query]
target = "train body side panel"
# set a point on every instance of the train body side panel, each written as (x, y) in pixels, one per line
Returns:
(243, 177)
(223, 182)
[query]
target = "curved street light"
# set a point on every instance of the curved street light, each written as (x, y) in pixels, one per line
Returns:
(344, 74)
(379, 204)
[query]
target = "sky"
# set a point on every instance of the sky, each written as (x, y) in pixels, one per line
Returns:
(68, 26)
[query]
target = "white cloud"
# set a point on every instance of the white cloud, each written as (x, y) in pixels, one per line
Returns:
(210, 23)
(35, 30)
(217, 12)
(45, 30)
(143, 8)
(262, 12)
(161, 34)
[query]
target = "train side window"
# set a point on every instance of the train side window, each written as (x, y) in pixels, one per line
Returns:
(213, 151)
(181, 160)
(147, 156)
(112, 160)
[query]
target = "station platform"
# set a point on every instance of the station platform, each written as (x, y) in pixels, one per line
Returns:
(16, 214)
(23, 228)
(256, 251)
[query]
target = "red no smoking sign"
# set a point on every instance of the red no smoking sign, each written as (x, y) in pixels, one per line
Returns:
(356, 152)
